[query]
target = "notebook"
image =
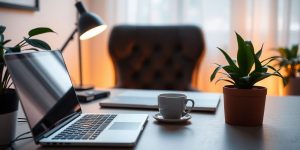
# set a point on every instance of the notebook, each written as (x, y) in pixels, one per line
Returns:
(147, 99)
(53, 111)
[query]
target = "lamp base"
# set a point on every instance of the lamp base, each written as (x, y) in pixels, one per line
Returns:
(83, 87)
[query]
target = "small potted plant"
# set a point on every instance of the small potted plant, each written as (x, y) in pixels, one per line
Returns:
(8, 97)
(290, 61)
(244, 102)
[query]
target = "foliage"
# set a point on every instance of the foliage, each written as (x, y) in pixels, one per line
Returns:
(241, 73)
(290, 61)
(35, 44)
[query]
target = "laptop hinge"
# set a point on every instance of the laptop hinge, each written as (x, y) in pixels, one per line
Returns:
(51, 131)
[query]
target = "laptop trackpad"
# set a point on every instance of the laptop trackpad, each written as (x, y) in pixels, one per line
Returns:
(125, 126)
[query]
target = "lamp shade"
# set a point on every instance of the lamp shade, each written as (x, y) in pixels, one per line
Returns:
(89, 24)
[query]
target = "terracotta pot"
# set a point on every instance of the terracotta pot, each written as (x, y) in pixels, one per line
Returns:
(244, 107)
(293, 87)
(8, 116)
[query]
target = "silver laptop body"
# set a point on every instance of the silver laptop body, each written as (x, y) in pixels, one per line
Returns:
(53, 111)
(147, 99)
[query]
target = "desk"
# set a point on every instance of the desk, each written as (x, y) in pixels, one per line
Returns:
(281, 130)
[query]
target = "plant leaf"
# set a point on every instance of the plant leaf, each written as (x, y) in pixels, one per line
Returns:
(282, 52)
(2, 29)
(1, 39)
(294, 51)
(272, 68)
(277, 73)
(5, 42)
(31, 49)
(287, 53)
(259, 76)
(234, 75)
(284, 80)
(258, 65)
(244, 83)
(264, 69)
(226, 74)
(223, 79)
(38, 43)
(40, 30)
(258, 54)
(250, 46)
(244, 56)
(229, 60)
(213, 75)
(229, 69)
(271, 58)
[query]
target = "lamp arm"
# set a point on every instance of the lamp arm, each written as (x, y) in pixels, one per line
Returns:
(71, 37)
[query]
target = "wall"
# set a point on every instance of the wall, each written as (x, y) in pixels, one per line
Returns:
(115, 11)
(59, 15)
(102, 74)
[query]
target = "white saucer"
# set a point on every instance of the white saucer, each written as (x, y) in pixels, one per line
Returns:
(160, 118)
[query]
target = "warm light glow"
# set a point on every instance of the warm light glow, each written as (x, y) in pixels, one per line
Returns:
(93, 32)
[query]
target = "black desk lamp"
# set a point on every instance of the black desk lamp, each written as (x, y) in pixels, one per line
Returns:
(88, 26)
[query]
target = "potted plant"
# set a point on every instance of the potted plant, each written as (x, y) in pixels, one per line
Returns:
(290, 61)
(8, 97)
(244, 102)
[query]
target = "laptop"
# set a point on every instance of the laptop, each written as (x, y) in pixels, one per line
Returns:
(147, 99)
(53, 111)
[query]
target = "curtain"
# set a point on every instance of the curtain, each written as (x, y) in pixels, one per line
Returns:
(274, 23)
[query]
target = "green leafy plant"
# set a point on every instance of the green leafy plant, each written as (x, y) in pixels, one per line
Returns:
(241, 72)
(35, 44)
(290, 61)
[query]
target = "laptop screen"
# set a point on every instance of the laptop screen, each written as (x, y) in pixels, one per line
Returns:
(44, 88)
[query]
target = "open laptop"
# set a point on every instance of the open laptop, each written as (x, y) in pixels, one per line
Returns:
(147, 99)
(53, 112)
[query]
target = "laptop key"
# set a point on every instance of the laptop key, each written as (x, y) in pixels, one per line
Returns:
(87, 128)
(85, 137)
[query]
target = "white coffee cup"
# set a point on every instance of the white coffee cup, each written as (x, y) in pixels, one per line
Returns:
(173, 105)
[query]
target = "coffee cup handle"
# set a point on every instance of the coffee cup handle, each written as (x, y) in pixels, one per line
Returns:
(189, 110)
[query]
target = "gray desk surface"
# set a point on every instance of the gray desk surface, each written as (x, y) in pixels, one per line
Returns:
(280, 130)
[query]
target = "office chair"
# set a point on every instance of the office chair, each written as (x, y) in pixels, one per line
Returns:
(156, 57)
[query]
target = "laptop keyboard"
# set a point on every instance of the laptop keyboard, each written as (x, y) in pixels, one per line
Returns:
(86, 128)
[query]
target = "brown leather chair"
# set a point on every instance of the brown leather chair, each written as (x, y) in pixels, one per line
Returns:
(156, 57)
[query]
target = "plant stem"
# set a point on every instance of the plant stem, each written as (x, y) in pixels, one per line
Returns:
(20, 43)
(23, 44)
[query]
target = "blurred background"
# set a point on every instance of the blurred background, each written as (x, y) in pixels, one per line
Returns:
(274, 23)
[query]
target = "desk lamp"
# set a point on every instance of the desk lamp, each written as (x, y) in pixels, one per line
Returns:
(88, 26)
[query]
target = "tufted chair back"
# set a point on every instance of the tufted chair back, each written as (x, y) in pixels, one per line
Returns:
(155, 57)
